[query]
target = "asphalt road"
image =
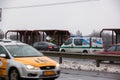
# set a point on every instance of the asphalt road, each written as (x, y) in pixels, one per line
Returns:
(67, 74)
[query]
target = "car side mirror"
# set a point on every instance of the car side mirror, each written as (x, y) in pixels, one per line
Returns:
(3, 55)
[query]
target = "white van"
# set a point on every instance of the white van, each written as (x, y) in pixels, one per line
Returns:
(82, 44)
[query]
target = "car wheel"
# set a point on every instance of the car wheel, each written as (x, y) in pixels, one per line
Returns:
(14, 75)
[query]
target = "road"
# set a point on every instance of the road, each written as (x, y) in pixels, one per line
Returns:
(67, 74)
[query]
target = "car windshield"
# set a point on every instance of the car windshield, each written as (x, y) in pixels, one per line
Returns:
(111, 49)
(23, 51)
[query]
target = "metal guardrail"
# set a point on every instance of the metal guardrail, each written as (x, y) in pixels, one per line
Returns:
(97, 57)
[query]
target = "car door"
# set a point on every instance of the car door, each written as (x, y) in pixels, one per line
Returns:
(38, 46)
(45, 46)
(68, 45)
(42, 46)
(3, 62)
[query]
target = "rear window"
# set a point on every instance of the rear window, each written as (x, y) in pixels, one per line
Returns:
(50, 43)
(111, 49)
(118, 48)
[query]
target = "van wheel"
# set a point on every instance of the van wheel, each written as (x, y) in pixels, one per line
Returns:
(62, 50)
(14, 74)
(85, 51)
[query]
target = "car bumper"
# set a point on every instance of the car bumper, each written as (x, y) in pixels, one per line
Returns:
(40, 74)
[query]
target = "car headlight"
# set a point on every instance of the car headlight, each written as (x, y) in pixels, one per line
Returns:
(58, 66)
(30, 67)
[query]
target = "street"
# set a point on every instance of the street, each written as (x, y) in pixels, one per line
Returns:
(67, 74)
(75, 74)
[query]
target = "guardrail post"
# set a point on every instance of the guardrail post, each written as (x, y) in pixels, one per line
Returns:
(98, 63)
(60, 58)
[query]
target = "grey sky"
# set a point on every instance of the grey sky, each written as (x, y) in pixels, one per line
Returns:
(83, 16)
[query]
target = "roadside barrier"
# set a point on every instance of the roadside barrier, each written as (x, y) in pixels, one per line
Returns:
(97, 57)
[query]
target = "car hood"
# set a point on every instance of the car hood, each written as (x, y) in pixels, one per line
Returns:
(37, 61)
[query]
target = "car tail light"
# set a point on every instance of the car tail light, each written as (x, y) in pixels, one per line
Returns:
(50, 47)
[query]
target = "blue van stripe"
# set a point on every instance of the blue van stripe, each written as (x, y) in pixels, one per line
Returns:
(85, 41)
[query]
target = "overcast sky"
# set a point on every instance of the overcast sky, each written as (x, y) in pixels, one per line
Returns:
(86, 16)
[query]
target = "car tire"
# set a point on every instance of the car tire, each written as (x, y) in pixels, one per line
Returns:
(14, 75)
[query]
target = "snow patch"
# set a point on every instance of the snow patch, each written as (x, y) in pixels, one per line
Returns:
(90, 66)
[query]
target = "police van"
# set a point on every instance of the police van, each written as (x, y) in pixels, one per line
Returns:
(82, 44)
(20, 61)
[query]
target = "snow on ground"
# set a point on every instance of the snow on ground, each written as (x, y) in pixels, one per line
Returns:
(91, 66)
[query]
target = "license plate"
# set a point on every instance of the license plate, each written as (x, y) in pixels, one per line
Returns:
(48, 73)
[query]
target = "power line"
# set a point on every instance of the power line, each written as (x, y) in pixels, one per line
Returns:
(51, 4)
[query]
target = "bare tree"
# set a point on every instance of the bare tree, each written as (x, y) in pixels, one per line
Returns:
(78, 33)
(95, 34)
(107, 38)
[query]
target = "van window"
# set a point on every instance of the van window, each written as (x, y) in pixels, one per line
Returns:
(78, 41)
(69, 41)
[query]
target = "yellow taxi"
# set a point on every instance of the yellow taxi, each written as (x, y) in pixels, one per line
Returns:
(20, 61)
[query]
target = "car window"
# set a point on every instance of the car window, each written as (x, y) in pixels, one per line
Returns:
(51, 44)
(22, 51)
(35, 44)
(111, 49)
(2, 50)
(42, 44)
(69, 41)
(118, 48)
(78, 41)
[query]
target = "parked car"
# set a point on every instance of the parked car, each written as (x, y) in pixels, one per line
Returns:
(114, 49)
(20, 61)
(45, 46)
